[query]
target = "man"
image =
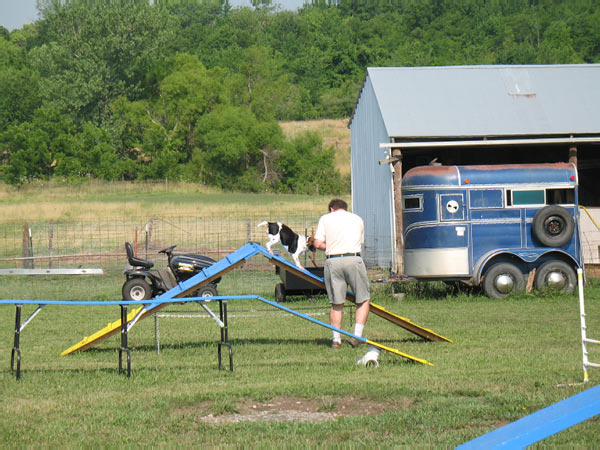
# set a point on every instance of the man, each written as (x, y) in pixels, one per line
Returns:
(341, 235)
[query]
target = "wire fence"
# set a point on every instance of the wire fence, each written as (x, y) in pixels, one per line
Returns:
(102, 242)
(57, 244)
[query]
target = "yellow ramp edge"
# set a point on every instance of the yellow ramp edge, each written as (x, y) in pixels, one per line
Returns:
(399, 353)
(99, 335)
(114, 327)
(380, 311)
(407, 324)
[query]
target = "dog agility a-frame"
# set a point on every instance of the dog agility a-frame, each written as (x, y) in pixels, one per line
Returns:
(207, 275)
(229, 263)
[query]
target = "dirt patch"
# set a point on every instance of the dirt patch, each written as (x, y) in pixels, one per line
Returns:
(297, 409)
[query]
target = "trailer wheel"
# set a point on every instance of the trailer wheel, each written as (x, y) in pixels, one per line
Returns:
(210, 290)
(136, 289)
(553, 226)
(280, 293)
(555, 276)
(503, 279)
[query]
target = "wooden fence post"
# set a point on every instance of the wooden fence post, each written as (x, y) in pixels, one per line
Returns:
(50, 239)
(27, 247)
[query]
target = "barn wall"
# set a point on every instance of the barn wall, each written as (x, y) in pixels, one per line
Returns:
(372, 190)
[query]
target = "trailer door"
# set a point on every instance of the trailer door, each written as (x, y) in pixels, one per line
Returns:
(452, 207)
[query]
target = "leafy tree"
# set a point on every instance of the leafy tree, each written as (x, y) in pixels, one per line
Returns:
(557, 45)
(19, 86)
(192, 88)
(94, 52)
(233, 147)
(30, 149)
(307, 168)
(262, 85)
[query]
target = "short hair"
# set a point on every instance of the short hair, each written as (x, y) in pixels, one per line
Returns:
(338, 203)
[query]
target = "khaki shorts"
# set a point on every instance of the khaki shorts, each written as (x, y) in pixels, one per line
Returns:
(343, 274)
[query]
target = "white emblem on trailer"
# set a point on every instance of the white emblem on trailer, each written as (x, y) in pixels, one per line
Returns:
(452, 206)
(460, 231)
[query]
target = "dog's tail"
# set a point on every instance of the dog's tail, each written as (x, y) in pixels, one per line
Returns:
(262, 224)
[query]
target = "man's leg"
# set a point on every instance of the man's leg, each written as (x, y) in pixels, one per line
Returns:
(362, 312)
(335, 319)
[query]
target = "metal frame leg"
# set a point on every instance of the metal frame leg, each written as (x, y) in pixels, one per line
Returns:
(156, 334)
(124, 347)
(16, 344)
(224, 335)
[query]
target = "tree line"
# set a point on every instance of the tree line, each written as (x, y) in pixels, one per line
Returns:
(194, 89)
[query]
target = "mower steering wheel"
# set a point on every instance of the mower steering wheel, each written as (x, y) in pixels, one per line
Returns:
(168, 249)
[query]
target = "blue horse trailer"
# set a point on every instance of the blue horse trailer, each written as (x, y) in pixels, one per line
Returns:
(492, 225)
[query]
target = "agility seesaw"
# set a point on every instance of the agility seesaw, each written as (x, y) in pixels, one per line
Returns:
(127, 322)
(228, 263)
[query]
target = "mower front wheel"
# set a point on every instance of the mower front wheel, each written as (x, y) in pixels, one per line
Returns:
(136, 289)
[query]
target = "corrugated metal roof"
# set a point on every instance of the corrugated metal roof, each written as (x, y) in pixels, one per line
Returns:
(475, 101)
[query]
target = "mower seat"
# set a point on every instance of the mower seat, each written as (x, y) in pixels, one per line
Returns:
(136, 262)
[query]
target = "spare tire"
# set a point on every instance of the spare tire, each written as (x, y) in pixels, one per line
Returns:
(553, 226)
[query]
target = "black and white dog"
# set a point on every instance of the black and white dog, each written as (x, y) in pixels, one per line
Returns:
(291, 241)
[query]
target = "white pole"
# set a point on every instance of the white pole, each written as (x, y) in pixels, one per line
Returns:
(584, 339)
(583, 328)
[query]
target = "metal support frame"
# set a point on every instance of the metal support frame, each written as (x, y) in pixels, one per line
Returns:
(125, 326)
(124, 347)
(16, 345)
(224, 335)
(182, 315)
(16, 350)
(221, 321)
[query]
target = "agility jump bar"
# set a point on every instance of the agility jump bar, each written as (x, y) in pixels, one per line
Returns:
(128, 321)
(137, 313)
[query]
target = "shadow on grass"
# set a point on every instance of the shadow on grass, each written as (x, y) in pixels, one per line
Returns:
(320, 342)
(436, 290)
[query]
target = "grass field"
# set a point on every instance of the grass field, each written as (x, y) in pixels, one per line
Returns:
(509, 358)
(91, 199)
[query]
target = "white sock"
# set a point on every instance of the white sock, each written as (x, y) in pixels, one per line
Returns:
(337, 337)
(358, 329)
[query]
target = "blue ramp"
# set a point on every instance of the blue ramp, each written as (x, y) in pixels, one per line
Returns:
(541, 424)
(223, 266)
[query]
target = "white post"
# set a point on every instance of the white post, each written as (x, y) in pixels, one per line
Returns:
(584, 338)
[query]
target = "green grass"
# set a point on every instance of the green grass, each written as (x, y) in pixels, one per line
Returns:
(90, 200)
(509, 358)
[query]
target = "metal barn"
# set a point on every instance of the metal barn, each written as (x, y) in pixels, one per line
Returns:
(411, 116)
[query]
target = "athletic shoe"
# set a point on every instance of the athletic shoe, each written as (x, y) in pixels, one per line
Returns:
(355, 342)
(336, 345)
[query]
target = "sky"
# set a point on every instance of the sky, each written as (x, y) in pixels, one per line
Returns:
(16, 13)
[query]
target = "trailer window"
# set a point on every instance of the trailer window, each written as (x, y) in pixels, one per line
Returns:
(560, 196)
(530, 197)
(413, 203)
(485, 198)
(552, 196)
